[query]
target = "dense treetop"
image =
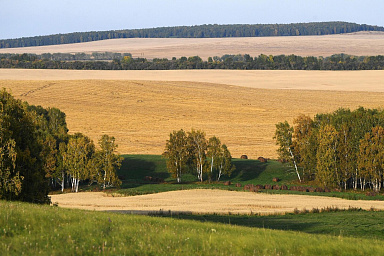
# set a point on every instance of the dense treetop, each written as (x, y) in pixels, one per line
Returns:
(200, 31)
(343, 149)
(111, 61)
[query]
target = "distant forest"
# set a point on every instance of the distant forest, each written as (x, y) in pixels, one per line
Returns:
(201, 31)
(241, 62)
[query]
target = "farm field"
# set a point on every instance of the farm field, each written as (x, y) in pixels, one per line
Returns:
(207, 201)
(141, 114)
(371, 81)
(360, 44)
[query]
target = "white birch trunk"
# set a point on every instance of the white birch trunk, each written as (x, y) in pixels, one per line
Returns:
(294, 163)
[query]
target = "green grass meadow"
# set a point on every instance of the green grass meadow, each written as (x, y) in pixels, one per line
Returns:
(46, 230)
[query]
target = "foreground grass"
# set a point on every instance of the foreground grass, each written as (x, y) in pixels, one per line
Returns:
(44, 230)
(349, 223)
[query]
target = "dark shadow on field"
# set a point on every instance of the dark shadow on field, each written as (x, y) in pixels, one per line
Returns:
(134, 168)
(275, 222)
(247, 169)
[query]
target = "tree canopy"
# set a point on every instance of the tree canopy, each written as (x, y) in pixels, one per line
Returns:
(37, 153)
(192, 153)
(200, 31)
(238, 62)
(343, 149)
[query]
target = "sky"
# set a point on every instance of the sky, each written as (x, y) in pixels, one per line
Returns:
(24, 18)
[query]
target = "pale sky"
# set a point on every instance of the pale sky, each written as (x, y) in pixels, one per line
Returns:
(23, 18)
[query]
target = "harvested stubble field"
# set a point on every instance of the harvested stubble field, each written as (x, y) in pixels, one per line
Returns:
(361, 44)
(207, 202)
(141, 114)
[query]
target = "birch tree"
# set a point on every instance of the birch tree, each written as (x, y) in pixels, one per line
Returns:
(108, 162)
(371, 158)
(225, 166)
(304, 144)
(283, 137)
(197, 148)
(327, 156)
(80, 150)
(176, 153)
(213, 152)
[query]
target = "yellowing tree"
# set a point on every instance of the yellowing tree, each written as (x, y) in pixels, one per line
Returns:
(108, 162)
(327, 156)
(176, 153)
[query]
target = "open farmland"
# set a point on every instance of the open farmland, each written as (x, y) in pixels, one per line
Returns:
(141, 114)
(207, 201)
(361, 44)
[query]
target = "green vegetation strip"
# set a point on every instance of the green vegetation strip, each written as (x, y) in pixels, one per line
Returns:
(35, 229)
(135, 167)
(347, 223)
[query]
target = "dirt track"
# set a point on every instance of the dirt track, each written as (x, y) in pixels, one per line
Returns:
(206, 201)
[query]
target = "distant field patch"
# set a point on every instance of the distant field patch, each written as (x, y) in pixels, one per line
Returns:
(141, 114)
(361, 44)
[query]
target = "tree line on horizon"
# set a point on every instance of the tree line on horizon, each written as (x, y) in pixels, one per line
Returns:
(199, 31)
(191, 152)
(233, 62)
(37, 154)
(343, 149)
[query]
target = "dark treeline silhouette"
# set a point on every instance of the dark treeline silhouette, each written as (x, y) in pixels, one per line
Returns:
(240, 62)
(201, 31)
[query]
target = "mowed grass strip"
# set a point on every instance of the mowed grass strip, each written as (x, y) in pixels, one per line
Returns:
(33, 229)
(141, 114)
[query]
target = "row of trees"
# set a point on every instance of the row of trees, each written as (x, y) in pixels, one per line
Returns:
(344, 149)
(191, 152)
(202, 31)
(37, 153)
(65, 56)
(244, 62)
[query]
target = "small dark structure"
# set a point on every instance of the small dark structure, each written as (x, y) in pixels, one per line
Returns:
(262, 159)
(244, 157)
(227, 183)
(238, 185)
(260, 186)
(275, 179)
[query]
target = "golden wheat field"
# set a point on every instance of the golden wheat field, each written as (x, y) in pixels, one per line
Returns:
(206, 201)
(141, 114)
(361, 44)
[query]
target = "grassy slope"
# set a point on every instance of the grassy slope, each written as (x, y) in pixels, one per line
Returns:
(136, 167)
(359, 224)
(33, 229)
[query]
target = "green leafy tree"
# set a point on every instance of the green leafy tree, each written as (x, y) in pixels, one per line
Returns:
(371, 160)
(283, 137)
(225, 166)
(80, 151)
(176, 153)
(304, 144)
(327, 156)
(213, 152)
(108, 162)
(197, 145)
(21, 174)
